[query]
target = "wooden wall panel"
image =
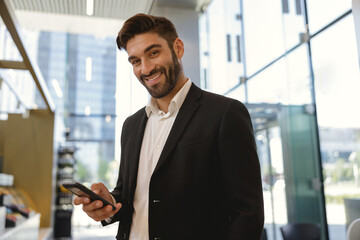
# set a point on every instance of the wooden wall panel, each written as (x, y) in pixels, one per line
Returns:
(28, 155)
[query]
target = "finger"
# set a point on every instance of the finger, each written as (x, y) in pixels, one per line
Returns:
(104, 213)
(118, 206)
(77, 201)
(92, 206)
(101, 190)
(109, 208)
(101, 213)
(98, 187)
(81, 200)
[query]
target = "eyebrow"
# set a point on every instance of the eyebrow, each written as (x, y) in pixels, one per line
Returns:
(146, 50)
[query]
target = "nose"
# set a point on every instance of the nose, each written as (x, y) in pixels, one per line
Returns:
(146, 67)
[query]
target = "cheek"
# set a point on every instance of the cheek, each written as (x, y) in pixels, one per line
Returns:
(137, 73)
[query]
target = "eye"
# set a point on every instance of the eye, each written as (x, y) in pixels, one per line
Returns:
(154, 53)
(135, 62)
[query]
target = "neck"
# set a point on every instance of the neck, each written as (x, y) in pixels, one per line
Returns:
(164, 102)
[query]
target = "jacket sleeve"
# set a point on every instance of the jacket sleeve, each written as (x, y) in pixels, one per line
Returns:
(240, 174)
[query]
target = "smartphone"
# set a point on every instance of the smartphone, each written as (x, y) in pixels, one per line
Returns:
(80, 190)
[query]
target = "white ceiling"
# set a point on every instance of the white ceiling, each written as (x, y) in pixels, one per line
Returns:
(116, 9)
(70, 15)
(197, 5)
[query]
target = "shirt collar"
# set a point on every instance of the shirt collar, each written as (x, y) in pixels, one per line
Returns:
(175, 103)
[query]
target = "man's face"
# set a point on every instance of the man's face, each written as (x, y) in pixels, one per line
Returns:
(154, 63)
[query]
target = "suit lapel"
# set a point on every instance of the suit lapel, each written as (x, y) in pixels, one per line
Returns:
(185, 114)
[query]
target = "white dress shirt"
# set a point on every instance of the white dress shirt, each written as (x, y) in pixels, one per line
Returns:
(156, 133)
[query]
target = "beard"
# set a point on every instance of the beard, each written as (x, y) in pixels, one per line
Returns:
(171, 77)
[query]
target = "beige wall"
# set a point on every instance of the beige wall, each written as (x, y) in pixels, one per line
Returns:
(28, 155)
(2, 133)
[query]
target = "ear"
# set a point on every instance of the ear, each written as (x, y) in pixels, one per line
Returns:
(178, 47)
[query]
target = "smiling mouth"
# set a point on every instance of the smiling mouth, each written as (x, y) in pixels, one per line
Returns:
(154, 79)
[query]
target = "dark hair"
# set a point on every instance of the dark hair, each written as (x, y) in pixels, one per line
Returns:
(143, 23)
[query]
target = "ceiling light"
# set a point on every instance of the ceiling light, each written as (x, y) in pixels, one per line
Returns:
(87, 111)
(90, 7)
(57, 88)
(88, 69)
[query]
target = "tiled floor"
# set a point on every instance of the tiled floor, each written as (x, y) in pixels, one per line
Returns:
(337, 232)
(86, 229)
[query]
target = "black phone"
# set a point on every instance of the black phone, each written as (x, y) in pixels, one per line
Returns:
(80, 190)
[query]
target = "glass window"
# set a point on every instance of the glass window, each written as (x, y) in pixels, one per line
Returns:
(322, 12)
(279, 97)
(8, 50)
(220, 32)
(269, 31)
(337, 87)
(18, 92)
(239, 93)
(286, 81)
(272, 168)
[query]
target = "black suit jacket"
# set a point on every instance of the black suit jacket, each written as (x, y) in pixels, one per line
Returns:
(207, 182)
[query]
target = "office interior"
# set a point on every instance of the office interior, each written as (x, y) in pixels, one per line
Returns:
(65, 90)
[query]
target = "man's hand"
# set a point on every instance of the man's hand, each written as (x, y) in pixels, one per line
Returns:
(95, 209)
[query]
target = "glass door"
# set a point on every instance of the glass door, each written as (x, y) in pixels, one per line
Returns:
(272, 167)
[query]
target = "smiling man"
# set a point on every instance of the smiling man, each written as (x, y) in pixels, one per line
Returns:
(189, 167)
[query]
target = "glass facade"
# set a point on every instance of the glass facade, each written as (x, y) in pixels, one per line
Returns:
(18, 91)
(336, 72)
(84, 68)
(299, 78)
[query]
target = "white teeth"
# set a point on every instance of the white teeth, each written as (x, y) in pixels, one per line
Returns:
(156, 76)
